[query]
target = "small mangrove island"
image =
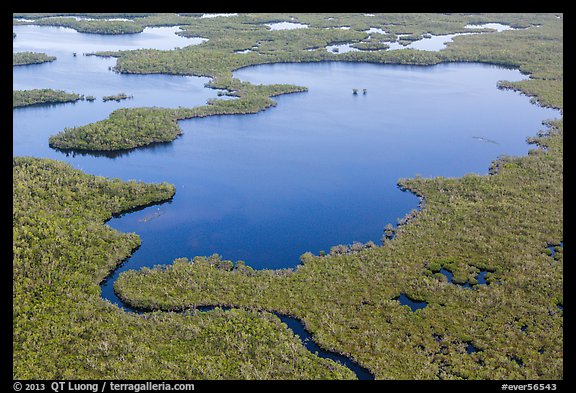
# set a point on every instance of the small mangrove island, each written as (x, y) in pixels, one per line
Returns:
(117, 97)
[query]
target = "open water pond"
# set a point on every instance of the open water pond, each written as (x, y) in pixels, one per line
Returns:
(319, 169)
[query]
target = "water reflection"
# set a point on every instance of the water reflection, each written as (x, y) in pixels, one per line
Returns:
(154, 148)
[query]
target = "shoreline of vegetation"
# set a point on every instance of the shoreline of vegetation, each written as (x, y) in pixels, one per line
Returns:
(502, 223)
(110, 27)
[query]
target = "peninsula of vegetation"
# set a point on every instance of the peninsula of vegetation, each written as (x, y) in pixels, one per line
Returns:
(22, 98)
(26, 58)
(129, 128)
(509, 328)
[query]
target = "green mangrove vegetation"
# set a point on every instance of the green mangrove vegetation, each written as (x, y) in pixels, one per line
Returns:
(26, 58)
(502, 223)
(128, 128)
(116, 97)
(22, 98)
(146, 125)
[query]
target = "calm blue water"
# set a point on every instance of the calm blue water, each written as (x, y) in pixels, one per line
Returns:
(318, 170)
(480, 278)
(404, 300)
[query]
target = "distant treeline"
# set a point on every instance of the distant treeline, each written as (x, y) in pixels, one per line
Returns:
(93, 26)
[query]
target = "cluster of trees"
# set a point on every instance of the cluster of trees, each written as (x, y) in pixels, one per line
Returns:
(42, 96)
(341, 249)
(116, 97)
(370, 45)
(25, 58)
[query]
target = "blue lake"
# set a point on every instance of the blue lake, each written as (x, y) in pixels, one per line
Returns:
(317, 170)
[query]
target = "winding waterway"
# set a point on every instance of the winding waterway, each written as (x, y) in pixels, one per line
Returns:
(319, 169)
